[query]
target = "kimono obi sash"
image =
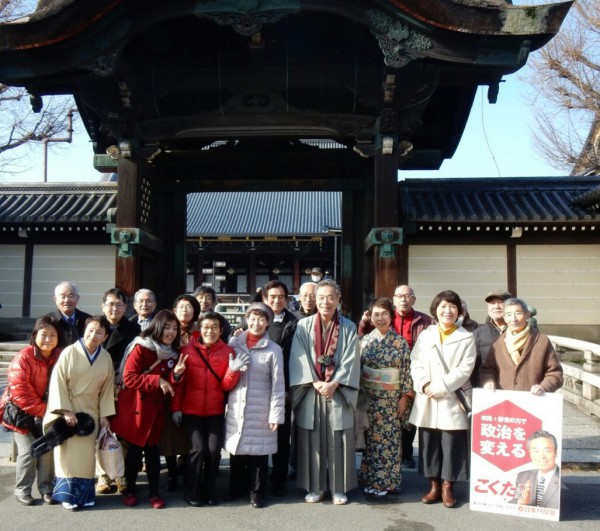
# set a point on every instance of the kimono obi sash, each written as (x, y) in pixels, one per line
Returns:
(380, 379)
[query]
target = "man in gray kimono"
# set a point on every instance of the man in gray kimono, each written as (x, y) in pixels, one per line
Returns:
(324, 379)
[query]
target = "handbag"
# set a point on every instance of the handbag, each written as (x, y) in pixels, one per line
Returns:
(15, 416)
(110, 454)
(463, 394)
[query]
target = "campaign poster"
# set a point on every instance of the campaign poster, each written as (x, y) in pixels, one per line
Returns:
(516, 453)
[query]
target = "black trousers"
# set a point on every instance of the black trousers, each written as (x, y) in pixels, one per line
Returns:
(281, 459)
(133, 464)
(206, 437)
(408, 437)
(249, 472)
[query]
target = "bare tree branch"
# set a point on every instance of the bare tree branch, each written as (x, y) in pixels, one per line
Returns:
(566, 77)
(20, 127)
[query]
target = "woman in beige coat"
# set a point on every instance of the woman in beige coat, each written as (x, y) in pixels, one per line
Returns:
(443, 425)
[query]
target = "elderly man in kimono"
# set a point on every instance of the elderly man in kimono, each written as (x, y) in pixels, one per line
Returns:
(324, 379)
(82, 381)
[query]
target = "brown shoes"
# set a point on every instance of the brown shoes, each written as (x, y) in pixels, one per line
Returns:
(435, 491)
(448, 498)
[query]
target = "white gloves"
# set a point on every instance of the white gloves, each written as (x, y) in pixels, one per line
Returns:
(239, 363)
(490, 385)
(536, 390)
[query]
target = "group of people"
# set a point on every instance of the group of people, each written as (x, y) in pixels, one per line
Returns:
(299, 386)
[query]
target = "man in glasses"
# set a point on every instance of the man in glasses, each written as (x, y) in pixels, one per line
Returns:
(122, 332)
(144, 303)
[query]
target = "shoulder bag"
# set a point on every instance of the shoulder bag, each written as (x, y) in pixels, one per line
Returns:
(464, 398)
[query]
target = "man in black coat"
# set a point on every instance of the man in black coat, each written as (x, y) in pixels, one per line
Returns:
(69, 319)
(122, 332)
(281, 331)
(144, 303)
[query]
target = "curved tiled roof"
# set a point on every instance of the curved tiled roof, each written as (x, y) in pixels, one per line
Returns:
(499, 201)
(56, 203)
(263, 213)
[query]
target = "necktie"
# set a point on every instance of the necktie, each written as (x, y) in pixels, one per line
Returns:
(71, 330)
(539, 493)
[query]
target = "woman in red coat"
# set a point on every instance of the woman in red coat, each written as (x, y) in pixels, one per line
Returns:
(28, 376)
(200, 404)
(148, 370)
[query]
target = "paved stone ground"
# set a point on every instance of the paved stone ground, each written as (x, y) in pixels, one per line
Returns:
(580, 511)
(580, 508)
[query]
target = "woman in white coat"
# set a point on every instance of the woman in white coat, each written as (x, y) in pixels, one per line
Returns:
(255, 407)
(443, 425)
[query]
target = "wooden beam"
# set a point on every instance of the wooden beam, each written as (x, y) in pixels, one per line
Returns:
(511, 269)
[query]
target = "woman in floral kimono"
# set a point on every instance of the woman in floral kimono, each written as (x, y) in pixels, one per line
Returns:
(385, 378)
(82, 381)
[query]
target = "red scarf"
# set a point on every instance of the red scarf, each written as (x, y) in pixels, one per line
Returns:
(325, 347)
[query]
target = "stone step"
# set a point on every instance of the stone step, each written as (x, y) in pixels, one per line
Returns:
(12, 346)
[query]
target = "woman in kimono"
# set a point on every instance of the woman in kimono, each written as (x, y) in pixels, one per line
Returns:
(385, 378)
(82, 381)
(324, 379)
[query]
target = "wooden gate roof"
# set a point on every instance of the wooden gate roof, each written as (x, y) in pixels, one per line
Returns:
(169, 78)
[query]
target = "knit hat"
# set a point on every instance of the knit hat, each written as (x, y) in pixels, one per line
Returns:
(262, 308)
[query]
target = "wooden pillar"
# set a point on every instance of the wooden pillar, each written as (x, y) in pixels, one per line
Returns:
(511, 269)
(27, 280)
(174, 228)
(355, 277)
(386, 215)
(296, 287)
(128, 204)
(252, 274)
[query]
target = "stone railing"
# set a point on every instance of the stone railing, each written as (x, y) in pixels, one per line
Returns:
(581, 366)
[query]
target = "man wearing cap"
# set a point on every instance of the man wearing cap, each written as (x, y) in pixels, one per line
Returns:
(316, 275)
(485, 334)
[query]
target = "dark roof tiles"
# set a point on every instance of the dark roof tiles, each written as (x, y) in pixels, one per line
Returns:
(502, 200)
(56, 203)
(263, 213)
